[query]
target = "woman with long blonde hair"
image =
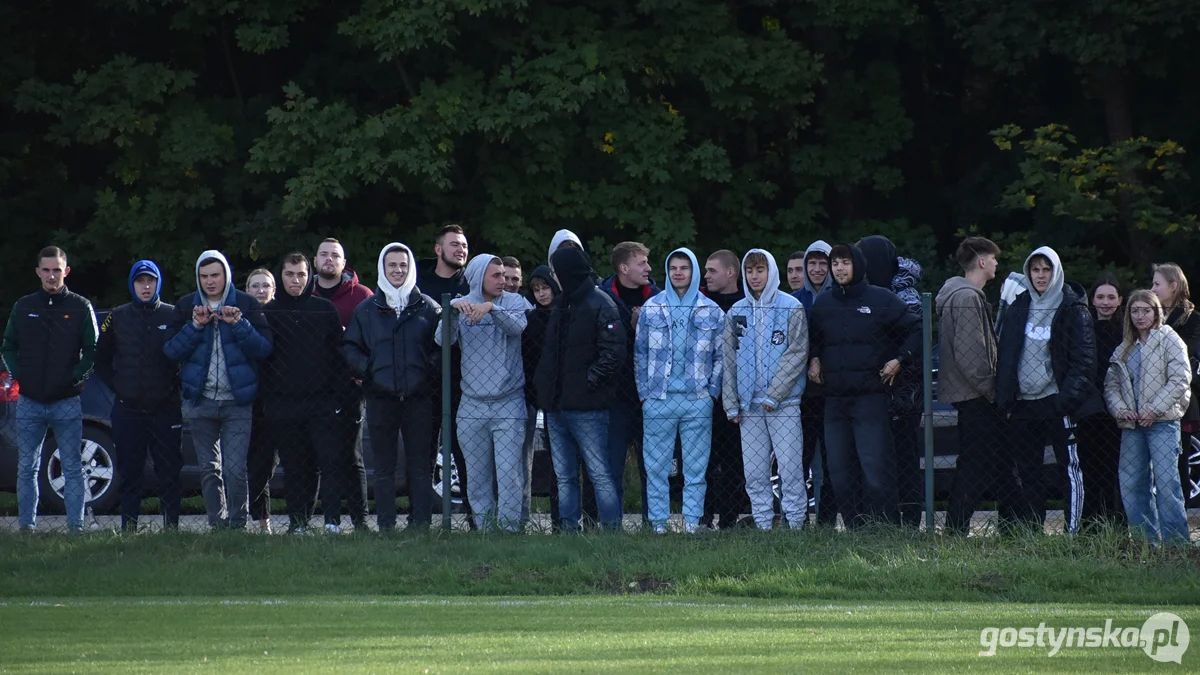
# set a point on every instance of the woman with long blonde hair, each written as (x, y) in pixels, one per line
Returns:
(1171, 287)
(1147, 390)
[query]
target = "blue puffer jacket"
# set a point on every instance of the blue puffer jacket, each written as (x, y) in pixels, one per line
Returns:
(245, 344)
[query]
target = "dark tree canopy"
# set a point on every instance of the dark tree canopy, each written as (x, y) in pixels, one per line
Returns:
(158, 128)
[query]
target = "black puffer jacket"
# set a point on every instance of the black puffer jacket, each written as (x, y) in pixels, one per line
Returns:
(534, 337)
(306, 371)
(393, 354)
(130, 358)
(1072, 354)
(585, 341)
(856, 329)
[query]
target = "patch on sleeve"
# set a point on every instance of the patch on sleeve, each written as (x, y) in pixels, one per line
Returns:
(778, 337)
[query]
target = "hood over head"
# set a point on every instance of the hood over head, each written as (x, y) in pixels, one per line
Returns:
(772, 287)
(542, 272)
(818, 246)
(397, 298)
(228, 275)
(689, 298)
(880, 255)
(475, 272)
(147, 267)
(558, 239)
(1052, 298)
(574, 271)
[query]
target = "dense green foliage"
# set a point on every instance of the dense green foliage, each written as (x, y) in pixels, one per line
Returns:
(155, 128)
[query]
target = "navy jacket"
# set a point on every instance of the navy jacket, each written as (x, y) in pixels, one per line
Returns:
(130, 358)
(394, 354)
(856, 329)
(245, 345)
(1072, 354)
(626, 385)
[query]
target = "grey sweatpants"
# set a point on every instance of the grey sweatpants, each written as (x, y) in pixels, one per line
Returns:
(492, 437)
(221, 436)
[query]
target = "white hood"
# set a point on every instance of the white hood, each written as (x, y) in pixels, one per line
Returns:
(559, 238)
(397, 298)
(768, 294)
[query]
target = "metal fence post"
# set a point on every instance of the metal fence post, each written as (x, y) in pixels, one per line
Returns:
(447, 442)
(927, 356)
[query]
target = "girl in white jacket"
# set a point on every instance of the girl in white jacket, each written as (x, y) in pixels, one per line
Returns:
(1147, 390)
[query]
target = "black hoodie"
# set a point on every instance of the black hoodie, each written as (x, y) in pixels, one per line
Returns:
(306, 371)
(585, 341)
(534, 336)
(856, 329)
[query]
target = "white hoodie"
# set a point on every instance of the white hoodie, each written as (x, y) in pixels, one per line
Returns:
(557, 240)
(397, 298)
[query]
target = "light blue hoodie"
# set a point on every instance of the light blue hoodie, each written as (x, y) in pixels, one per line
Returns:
(766, 347)
(677, 345)
(492, 367)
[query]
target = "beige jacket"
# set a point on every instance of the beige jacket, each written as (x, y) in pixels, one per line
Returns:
(1165, 381)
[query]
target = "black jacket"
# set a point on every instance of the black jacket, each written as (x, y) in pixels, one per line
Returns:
(856, 329)
(1108, 337)
(1072, 354)
(306, 371)
(585, 342)
(130, 358)
(393, 354)
(534, 337)
(50, 345)
(626, 383)
(1189, 331)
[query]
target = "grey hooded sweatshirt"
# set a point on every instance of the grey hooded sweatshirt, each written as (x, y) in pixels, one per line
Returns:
(492, 367)
(216, 384)
(1035, 374)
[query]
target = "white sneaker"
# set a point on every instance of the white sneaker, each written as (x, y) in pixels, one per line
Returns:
(660, 529)
(694, 528)
(332, 528)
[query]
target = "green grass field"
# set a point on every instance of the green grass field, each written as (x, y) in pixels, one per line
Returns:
(734, 602)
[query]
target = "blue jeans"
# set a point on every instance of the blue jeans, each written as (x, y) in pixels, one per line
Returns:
(583, 432)
(691, 419)
(33, 419)
(1150, 486)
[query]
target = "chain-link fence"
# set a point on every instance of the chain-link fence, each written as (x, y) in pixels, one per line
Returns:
(661, 418)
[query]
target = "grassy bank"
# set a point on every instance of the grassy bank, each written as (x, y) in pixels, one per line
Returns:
(816, 565)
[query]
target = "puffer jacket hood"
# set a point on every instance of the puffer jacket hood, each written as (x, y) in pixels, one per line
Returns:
(147, 267)
(858, 280)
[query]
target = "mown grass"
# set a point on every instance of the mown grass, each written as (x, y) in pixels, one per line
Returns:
(887, 564)
(531, 635)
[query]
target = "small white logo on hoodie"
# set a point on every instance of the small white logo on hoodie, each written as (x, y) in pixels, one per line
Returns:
(864, 310)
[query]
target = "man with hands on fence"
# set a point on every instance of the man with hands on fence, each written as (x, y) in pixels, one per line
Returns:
(219, 336)
(487, 324)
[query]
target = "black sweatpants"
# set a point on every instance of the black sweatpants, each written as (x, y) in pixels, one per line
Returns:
(862, 463)
(409, 417)
(812, 418)
(154, 433)
(1033, 425)
(726, 497)
(1099, 458)
(310, 454)
(348, 427)
(982, 467)
(261, 460)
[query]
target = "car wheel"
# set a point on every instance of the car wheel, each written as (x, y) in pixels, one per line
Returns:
(101, 481)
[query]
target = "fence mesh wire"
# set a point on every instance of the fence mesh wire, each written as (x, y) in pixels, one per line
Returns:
(728, 426)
